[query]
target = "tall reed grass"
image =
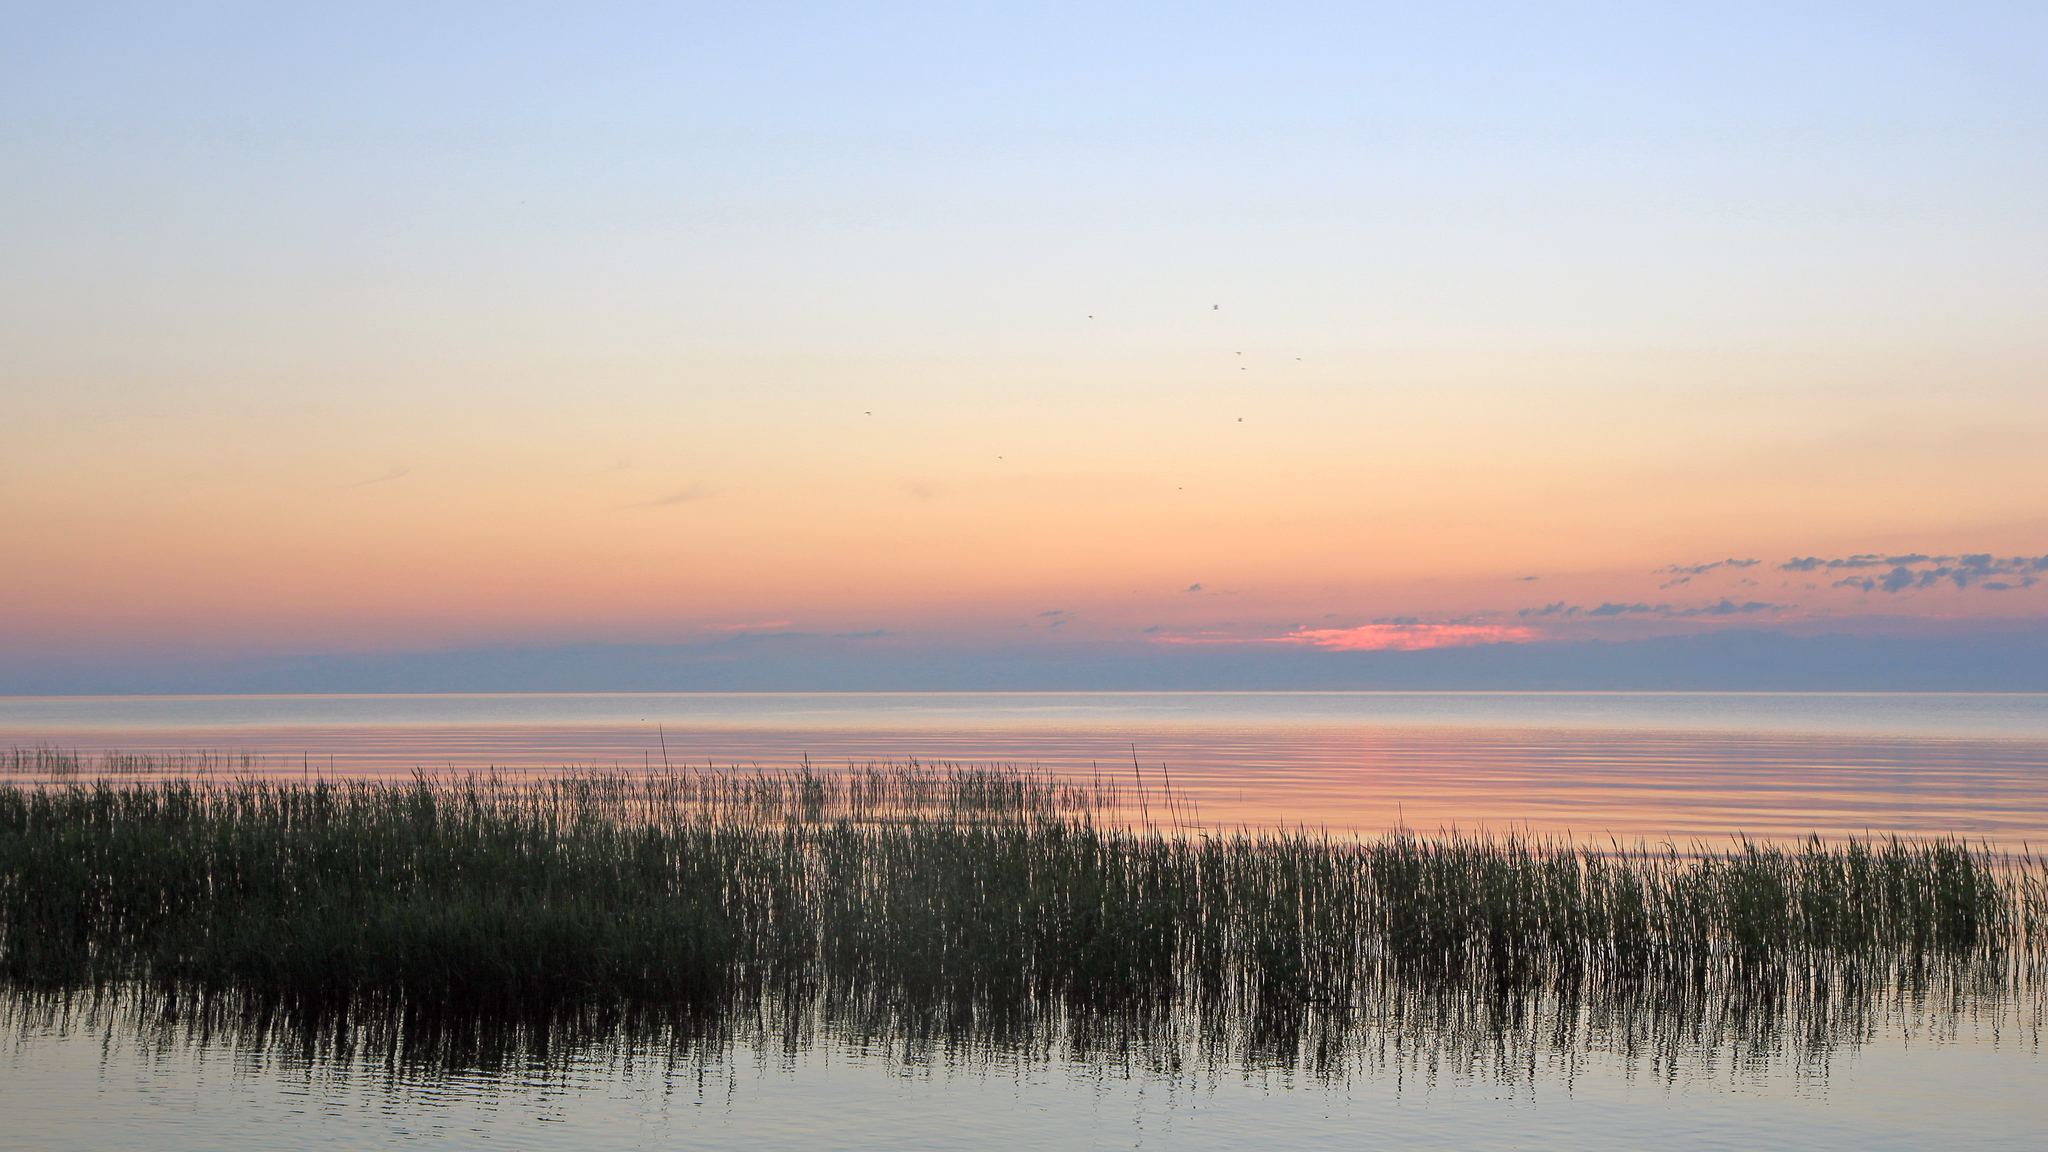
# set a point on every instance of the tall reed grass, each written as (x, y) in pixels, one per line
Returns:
(941, 898)
(990, 884)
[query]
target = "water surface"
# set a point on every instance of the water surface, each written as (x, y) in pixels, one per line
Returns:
(1649, 766)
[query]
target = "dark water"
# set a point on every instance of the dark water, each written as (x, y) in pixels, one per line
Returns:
(1890, 1057)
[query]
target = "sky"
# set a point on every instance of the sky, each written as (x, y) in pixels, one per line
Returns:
(934, 330)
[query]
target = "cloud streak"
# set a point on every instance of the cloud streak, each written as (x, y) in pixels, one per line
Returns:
(1725, 607)
(1701, 569)
(1683, 573)
(1380, 637)
(684, 496)
(394, 474)
(1916, 570)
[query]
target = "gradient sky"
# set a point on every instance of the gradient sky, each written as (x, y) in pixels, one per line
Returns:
(410, 326)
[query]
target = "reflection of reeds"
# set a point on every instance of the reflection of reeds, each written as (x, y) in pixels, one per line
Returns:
(945, 903)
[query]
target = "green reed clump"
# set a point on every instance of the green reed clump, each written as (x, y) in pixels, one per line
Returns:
(993, 891)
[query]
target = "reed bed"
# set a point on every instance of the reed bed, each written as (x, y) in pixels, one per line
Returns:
(941, 898)
(926, 907)
(996, 882)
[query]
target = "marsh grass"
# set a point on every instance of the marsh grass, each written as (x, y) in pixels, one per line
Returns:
(933, 905)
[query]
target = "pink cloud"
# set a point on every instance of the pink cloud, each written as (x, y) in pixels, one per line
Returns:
(1409, 637)
(1383, 637)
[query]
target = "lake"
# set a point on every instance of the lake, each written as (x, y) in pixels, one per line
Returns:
(1892, 1057)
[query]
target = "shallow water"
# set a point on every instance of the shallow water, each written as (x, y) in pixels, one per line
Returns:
(1637, 766)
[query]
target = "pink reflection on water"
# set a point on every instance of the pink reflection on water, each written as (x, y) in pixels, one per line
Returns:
(1366, 779)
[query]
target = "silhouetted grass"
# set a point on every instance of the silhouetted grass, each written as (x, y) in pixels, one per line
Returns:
(942, 899)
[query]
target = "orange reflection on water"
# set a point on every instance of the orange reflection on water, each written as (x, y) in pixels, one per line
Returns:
(1368, 779)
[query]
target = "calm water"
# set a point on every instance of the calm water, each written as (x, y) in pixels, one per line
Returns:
(1954, 1073)
(1636, 765)
(1888, 1065)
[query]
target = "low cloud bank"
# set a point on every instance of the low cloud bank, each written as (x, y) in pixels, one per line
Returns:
(1741, 659)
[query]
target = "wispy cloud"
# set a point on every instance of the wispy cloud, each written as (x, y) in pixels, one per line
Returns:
(394, 474)
(1409, 637)
(1725, 607)
(1917, 570)
(693, 492)
(688, 495)
(1866, 572)
(1683, 573)
(1701, 569)
(1729, 607)
(759, 624)
(1816, 564)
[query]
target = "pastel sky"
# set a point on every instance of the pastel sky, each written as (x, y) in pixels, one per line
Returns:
(395, 327)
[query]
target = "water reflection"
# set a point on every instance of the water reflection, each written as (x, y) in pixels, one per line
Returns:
(1652, 785)
(1794, 1017)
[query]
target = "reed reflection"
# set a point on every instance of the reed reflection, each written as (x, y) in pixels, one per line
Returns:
(1795, 1017)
